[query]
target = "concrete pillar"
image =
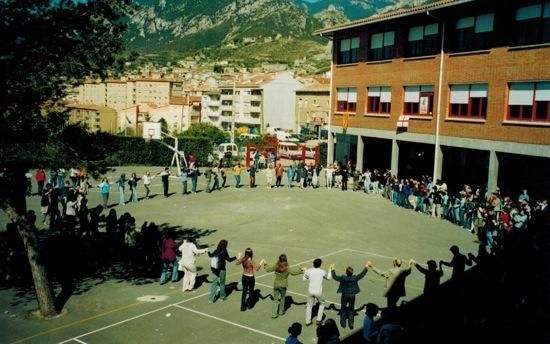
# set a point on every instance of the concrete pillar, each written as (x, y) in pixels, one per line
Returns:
(394, 157)
(492, 178)
(360, 149)
(438, 163)
(330, 148)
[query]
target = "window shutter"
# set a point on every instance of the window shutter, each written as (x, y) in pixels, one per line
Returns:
(543, 91)
(484, 23)
(385, 94)
(352, 95)
(459, 94)
(464, 23)
(412, 94)
(355, 42)
(342, 94)
(376, 40)
(478, 91)
(389, 38)
(528, 12)
(521, 93)
(427, 88)
(374, 92)
(416, 33)
(345, 45)
(432, 29)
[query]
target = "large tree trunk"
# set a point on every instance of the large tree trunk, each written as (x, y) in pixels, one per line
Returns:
(15, 207)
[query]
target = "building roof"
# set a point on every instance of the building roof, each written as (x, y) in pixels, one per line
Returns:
(380, 17)
(84, 106)
(315, 88)
(185, 100)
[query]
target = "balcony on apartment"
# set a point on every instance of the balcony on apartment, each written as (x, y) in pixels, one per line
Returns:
(247, 119)
(225, 96)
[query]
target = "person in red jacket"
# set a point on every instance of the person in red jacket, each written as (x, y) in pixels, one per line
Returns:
(40, 177)
(169, 257)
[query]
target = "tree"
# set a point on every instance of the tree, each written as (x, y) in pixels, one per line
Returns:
(206, 131)
(48, 46)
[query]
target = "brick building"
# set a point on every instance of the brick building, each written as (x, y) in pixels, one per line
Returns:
(457, 89)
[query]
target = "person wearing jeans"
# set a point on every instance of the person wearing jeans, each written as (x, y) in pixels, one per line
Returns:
(168, 257)
(121, 181)
(219, 271)
(282, 271)
(348, 288)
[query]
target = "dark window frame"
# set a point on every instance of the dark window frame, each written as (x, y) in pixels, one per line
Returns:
(413, 109)
(534, 30)
(466, 39)
(529, 113)
(343, 106)
(348, 56)
(468, 110)
(428, 45)
(386, 52)
(376, 106)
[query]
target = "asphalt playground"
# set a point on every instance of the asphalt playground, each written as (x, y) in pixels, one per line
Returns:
(341, 227)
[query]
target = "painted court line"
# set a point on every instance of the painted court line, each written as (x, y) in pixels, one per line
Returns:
(295, 293)
(230, 323)
(79, 341)
(130, 319)
(179, 303)
(368, 253)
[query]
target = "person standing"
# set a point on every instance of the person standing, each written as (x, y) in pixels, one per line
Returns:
(237, 170)
(183, 179)
(269, 176)
(252, 174)
(194, 174)
(218, 266)
(432, 277)
(223, 175)
(348, 287)
(45, 203)
(458, 263)
(315, 277)
(208, 176)
(278, 174)
(370, 333)
(28, 182)
(248, 281)
(147, 183)
(290, 174)
(282, 271)
(164, 175)
(395, 280)
(168, 257)
(132, 182)
(189, 251)
(40, 177)
(73, 176)
(121, 183)
(104, 189)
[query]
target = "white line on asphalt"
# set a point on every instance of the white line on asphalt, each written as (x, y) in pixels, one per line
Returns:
(230, 323)
(79, 341)
(368, 253)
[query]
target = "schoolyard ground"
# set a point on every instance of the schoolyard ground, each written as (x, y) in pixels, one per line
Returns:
(341, 227)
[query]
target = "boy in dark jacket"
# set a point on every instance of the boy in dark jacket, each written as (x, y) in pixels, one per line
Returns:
(348, 288)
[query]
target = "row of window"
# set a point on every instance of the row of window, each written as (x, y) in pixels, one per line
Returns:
(531, 26)
(527, 101)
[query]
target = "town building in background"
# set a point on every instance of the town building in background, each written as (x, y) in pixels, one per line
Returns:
(94, 117)
(312, 107)
(457, 89)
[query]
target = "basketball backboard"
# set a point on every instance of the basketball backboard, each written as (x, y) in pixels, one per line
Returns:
(151, 130)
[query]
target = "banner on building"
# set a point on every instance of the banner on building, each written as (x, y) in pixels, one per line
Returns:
(424, 104)
(403, 123)
(345, 120)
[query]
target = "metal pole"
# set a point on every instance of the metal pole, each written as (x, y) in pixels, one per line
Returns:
(330, 151)
(233, 111)
(437, 153)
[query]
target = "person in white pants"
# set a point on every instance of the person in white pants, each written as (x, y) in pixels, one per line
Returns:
(189, 252)
(315, 277)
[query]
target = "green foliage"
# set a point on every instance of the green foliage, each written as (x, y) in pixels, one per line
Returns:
(206, 131)
(164, 125)
(323, 153)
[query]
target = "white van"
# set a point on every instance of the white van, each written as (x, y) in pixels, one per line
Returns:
(286, 137)
(289, 150)
(226, 150)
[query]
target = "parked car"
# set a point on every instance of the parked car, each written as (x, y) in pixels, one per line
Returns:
(286, 137)
(289, 150)
(226, 150)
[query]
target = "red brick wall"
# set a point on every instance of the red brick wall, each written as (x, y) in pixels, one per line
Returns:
(496, 68)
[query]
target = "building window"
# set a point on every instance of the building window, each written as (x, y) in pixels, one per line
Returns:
(423, 40)
(473, 33)
(468, 101)
(347, 99)
(533, 24)
(529, 101)
(419, 100)
(382, 46)
(349, 50)
(379, 100)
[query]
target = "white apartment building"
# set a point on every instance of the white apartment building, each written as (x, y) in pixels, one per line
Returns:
(211, 108)
(152, 91)
(279, 102)
(118, 96)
